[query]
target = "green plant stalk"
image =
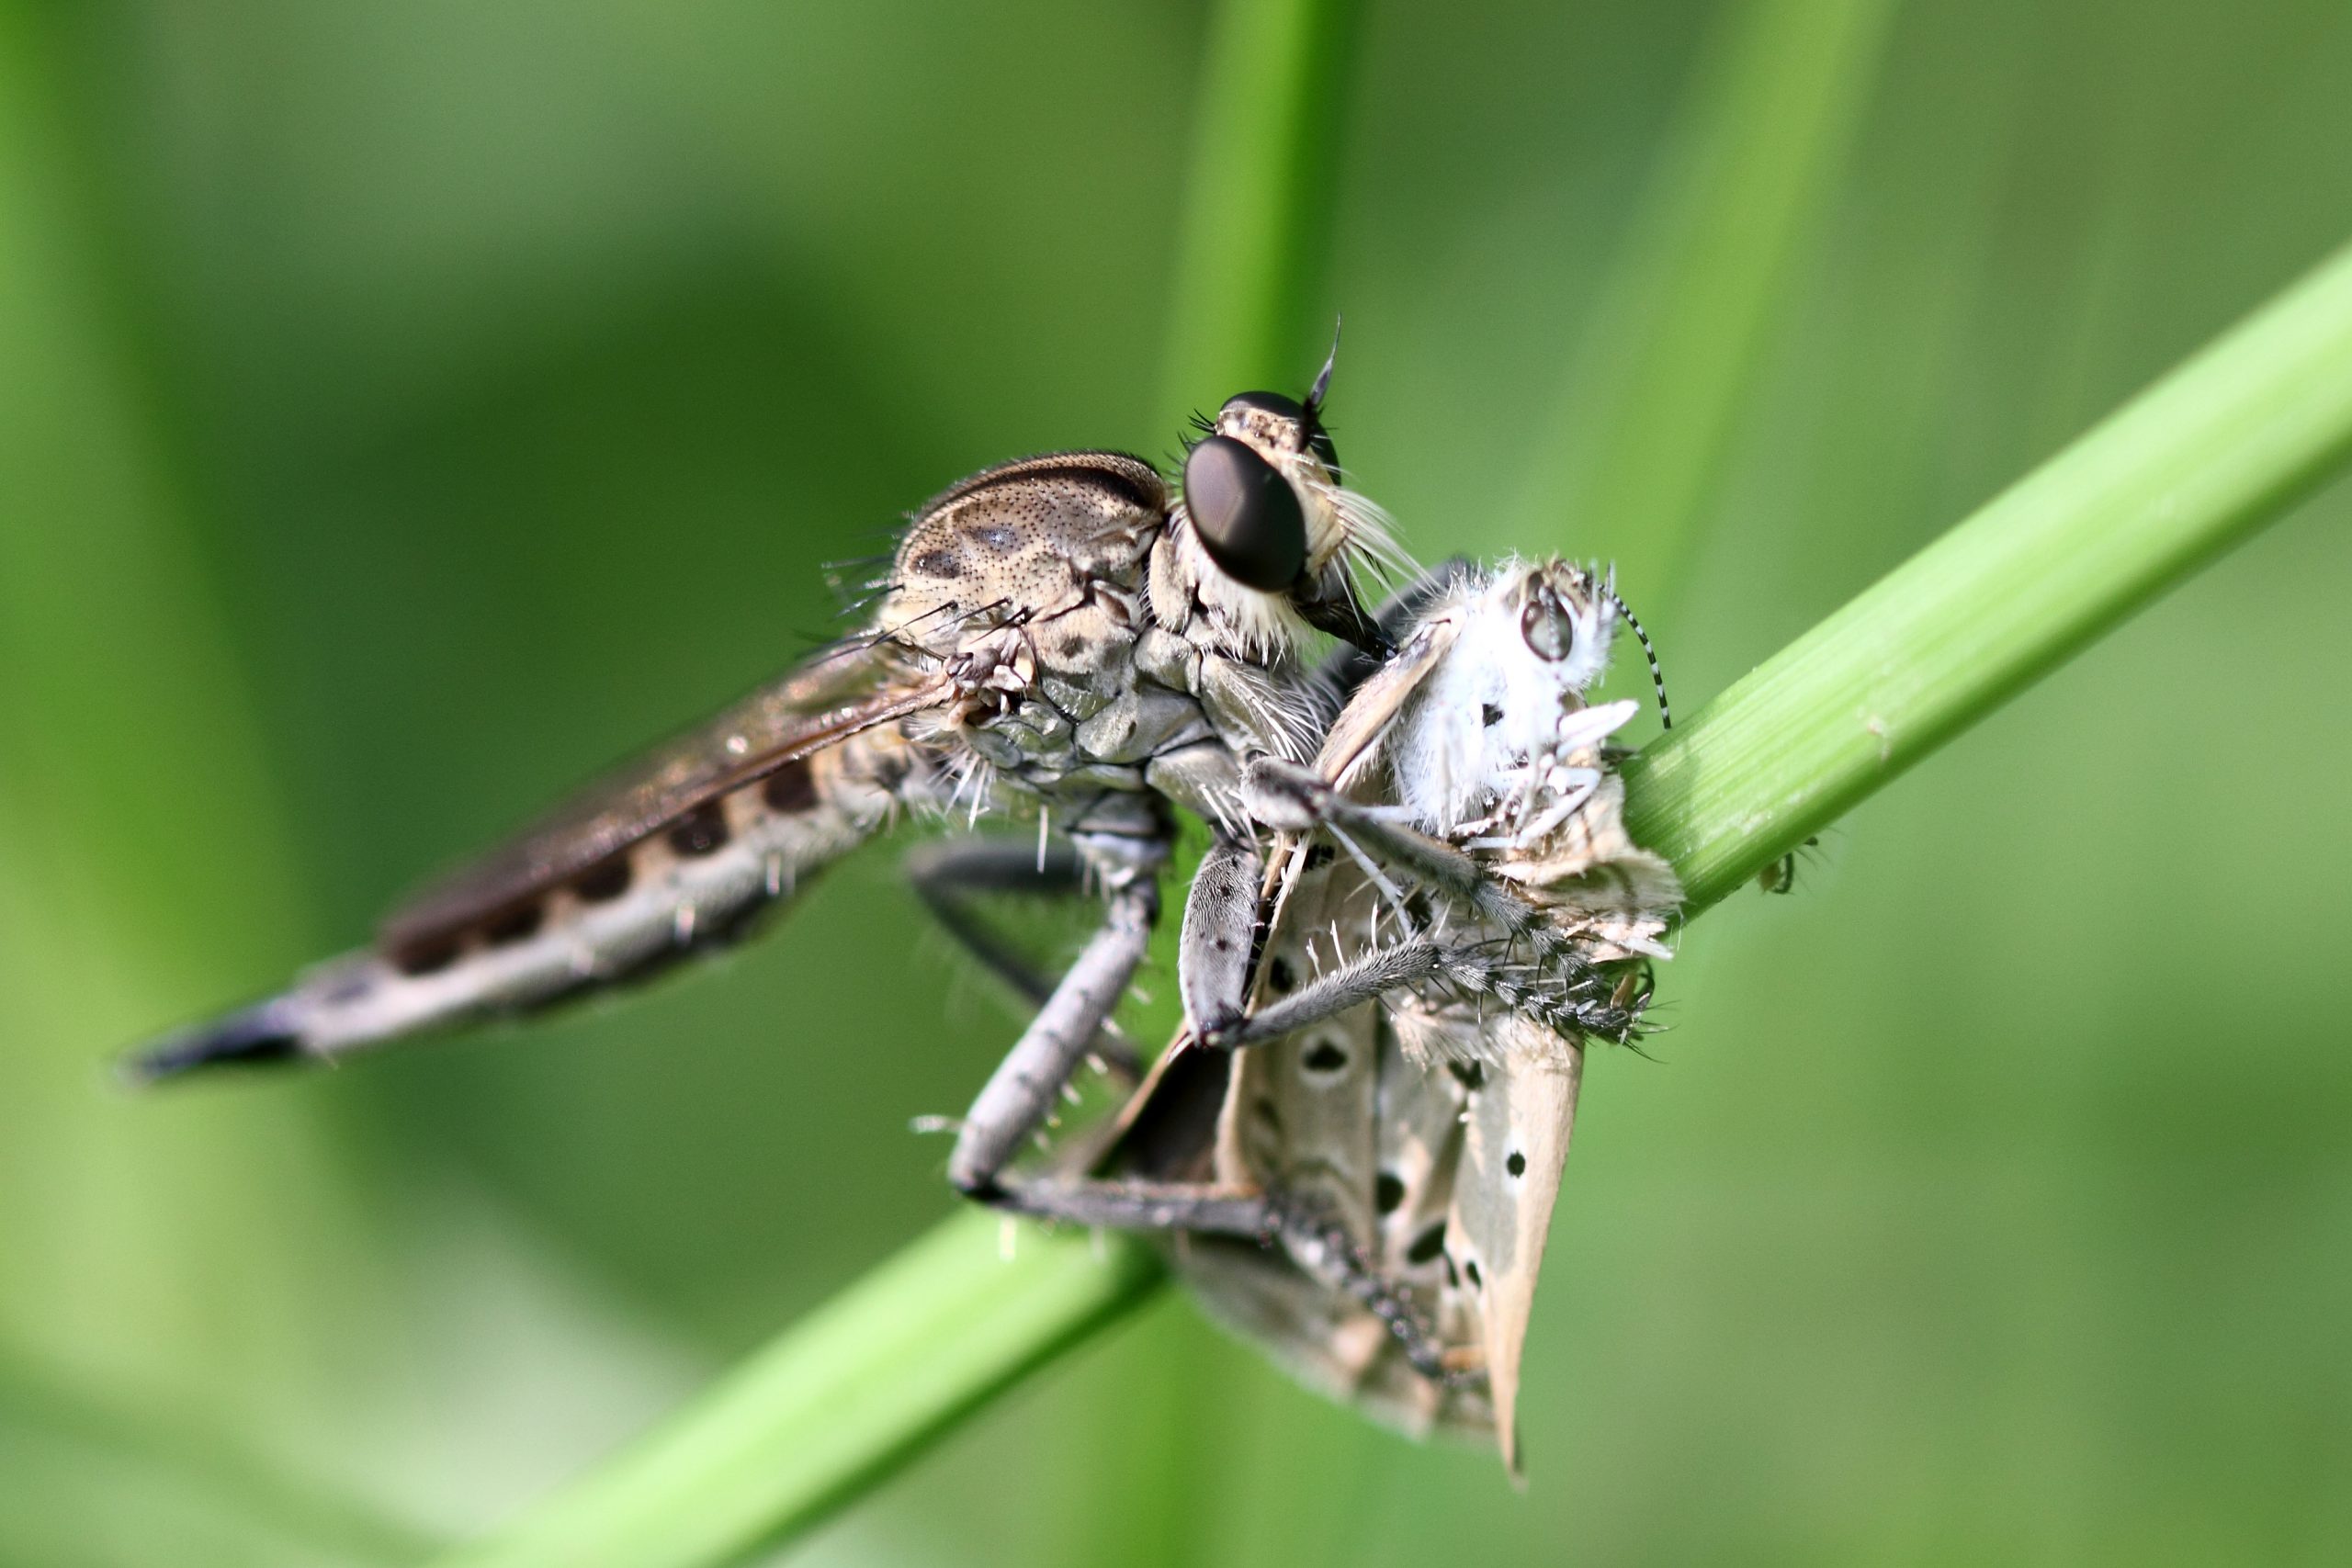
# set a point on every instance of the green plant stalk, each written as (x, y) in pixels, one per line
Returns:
(2221, 445)
(1257, 200)
(1632, 446)
(2217, 447)
(841, 1399)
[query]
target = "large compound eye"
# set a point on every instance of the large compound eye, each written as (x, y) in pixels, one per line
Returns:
(1246, 513)
(1548, 627)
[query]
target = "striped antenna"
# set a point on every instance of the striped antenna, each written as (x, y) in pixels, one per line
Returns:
(1657, 676)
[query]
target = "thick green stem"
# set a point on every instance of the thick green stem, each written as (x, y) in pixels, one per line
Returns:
(842, 1400)
(2218, 446)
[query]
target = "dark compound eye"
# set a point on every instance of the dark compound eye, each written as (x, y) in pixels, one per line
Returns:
(1248, 516)
(1548, 627)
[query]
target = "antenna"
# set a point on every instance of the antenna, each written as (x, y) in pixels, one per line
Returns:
(1657, 676)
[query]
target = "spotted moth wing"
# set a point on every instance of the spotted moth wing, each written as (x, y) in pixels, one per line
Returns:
(1298, 1118)
(1515, 1146)
(1339, 1119)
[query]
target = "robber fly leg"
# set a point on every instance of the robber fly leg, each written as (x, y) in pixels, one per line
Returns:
(1022, 1091)
(947, 872)
(1215, 949)
(1130, 1205)
(1325, 1247)
(1285, 796)
(1361, 979)
(1321, 1246)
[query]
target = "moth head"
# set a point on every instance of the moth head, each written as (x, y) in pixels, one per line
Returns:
(1272, 538)
(1565, 620)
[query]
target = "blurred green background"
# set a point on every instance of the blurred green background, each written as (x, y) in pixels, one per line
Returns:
(404, 408)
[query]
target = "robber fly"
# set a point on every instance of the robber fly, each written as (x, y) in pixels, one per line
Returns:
(1062, 636)
(1366, 1183)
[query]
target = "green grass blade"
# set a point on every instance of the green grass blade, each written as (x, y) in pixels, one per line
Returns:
(86, 1483)
(199, 1263)
(2218, 446)
(1257, 201)
(1632, 445)
(843, 1399)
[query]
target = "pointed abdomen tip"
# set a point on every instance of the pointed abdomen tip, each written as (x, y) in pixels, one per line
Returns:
(256, 1037)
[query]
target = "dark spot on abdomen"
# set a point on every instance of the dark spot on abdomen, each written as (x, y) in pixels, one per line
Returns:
(429, 956)
(791, 788)
(602, 882)
(1388, 1192)
(701, 831)
(518, 924)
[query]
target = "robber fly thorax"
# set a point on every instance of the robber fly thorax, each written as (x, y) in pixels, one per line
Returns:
(1107, 648)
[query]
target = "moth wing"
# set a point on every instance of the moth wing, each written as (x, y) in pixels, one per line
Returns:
(1354, 737)
(1299, 1117)
(1514, 1146)
(1317, 1334)
(1420, 1140)
(826, 700)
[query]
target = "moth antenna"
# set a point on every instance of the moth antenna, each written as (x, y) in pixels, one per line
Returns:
(1657, 676)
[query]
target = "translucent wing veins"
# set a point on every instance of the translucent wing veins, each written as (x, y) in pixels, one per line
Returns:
(783, 723)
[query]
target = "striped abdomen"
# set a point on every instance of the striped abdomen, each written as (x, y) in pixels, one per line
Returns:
(693, 886)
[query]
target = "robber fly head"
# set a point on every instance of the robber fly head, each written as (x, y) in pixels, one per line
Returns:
(1266, 515)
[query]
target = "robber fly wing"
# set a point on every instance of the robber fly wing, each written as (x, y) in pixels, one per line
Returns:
(672, 856)
(768, 736)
